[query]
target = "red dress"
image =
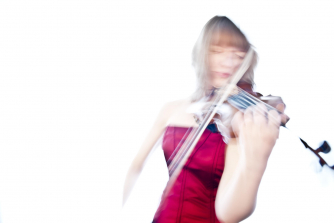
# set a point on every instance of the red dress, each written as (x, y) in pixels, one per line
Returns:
(192, 197)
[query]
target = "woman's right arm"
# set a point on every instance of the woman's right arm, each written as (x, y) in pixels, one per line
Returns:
(154, 134)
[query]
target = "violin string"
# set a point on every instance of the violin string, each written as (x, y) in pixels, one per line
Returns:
(261, 109)
(254, 99)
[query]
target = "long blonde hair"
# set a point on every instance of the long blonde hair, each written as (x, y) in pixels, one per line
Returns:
(228, 34)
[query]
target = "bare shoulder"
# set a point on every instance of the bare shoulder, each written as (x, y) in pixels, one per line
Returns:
(176, 113)
(171, 108)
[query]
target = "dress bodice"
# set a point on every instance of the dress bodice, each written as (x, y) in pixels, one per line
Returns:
(193, 194)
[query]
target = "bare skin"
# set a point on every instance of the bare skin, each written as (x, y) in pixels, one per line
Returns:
(246, 161)
(246, 156)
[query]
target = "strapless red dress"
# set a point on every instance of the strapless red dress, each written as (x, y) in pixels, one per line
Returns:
(192, 197)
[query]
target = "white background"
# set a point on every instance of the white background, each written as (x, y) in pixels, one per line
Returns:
(82, 81)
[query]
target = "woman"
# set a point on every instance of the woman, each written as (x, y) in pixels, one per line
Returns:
(219, 182)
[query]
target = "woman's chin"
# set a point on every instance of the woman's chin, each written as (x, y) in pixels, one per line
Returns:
(219, 84)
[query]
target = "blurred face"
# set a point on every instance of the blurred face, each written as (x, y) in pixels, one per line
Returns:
(224, 61)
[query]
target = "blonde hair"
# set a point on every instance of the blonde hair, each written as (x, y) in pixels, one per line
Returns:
(219, 30)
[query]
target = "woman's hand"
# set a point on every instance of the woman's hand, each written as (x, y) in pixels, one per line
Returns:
(257, 130)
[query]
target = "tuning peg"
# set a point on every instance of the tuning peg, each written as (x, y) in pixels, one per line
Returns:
(325, 147)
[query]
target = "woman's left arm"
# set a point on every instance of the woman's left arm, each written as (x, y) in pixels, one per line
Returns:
(245, 163)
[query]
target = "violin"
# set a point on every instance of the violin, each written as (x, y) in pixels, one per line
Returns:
(240, 100)
(247, 97)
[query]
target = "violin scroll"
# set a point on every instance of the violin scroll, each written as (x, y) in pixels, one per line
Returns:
(324, 148)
